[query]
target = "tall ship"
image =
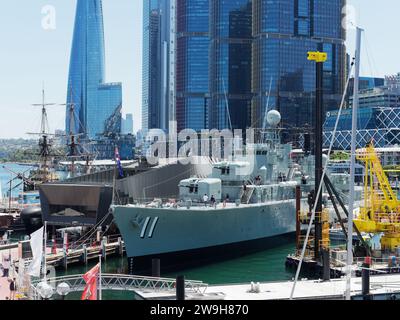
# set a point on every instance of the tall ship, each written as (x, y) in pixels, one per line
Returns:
(239, 207)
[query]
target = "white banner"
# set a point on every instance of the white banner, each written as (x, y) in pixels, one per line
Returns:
(37, 251)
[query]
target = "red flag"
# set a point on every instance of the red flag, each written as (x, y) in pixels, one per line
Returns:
(90, 291)
(66, 245)
(92, 273)
(54, 248)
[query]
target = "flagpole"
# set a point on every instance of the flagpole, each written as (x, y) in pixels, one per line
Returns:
(44, 255)
(115, 174)
(100, 289)
(114, 184)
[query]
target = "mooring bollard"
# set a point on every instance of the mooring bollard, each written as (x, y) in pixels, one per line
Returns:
(65, 260)
(326, 265)
(120, 246)
(85, 258)
(365, 275)
(103, 248)
(180, 288)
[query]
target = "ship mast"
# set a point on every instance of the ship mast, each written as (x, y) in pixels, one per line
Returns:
(44, 142)
(72, 145)
(352, 165)
(72, 138)
(44, 123)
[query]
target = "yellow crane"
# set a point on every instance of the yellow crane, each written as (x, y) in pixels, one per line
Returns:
(381, 210)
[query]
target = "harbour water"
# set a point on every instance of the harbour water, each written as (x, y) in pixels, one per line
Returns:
(6, 176)
(268, 265)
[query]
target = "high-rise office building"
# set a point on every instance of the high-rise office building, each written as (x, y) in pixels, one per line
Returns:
(93, 100)
(192, 64)
(230, 64)
(283, 31)
(156, 64)
(127, 124)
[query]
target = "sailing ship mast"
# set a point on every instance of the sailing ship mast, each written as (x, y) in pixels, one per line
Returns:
(73, 142)
(44, 141)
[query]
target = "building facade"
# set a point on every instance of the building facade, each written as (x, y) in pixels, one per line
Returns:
(192, 64)
(380, 125)
(230, 64)
(384, 96)
(156, 64)
(378, 120)
(90, 100)
(366, 83)
(127, 124)
(284, 31)
(104, 146)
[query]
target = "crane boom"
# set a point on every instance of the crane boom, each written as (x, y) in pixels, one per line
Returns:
(381, 210)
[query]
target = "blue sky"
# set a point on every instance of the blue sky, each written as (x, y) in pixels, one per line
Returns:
(30, 55)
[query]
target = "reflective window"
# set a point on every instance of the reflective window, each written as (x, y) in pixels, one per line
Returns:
(285, 31)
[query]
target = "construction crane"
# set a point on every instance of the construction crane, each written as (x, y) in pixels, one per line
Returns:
(381, 210)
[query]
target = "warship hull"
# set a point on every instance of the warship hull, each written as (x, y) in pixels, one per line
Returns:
(179, 235)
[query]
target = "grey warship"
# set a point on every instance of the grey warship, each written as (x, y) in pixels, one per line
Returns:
(249, 203)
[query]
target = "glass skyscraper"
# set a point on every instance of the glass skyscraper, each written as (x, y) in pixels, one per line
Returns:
(156, 63)
(284, 31)
(230, 63)
(192, 64)
(94, 100)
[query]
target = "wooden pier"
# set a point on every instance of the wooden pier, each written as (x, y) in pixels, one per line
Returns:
(85, 253)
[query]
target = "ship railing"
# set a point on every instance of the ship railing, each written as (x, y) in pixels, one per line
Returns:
(392, 217)
(391, 261)
(93, 241)
(121, 282)
(338, 263)
(305, 216)
(147, 201)
(309, 254)
(162, 202)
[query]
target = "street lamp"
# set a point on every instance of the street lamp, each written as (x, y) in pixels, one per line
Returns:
(63, 289)
(45, 290)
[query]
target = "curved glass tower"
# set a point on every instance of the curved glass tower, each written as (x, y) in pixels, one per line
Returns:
(93, 100)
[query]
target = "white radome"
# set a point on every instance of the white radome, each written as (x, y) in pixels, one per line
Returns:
(274, 118)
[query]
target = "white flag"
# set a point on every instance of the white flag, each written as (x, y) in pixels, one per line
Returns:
(37, 251)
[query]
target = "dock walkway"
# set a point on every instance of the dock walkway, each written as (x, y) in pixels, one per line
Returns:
(305, 290)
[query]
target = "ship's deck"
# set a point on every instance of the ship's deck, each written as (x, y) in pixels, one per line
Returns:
(209, 207)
